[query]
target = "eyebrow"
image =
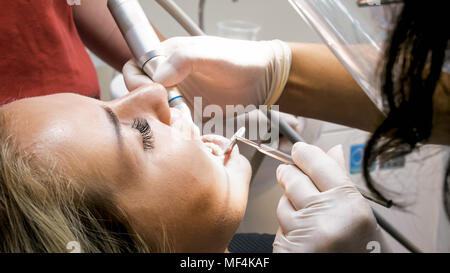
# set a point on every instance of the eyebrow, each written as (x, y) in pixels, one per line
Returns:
(115, 122)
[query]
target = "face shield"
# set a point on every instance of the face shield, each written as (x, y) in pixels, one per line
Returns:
(356, 32)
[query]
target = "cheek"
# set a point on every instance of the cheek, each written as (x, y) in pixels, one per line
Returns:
(181, 159)
(187, 192)
(186, 170)
(189, 169)
(200, 187)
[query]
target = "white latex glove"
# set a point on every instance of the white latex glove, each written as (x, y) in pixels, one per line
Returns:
(321, 210)
(133, 76)
(222, 71)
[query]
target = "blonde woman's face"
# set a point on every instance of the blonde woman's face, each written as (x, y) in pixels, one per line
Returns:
(152, 161)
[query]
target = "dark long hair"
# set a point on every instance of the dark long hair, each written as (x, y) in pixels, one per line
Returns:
(412, 67)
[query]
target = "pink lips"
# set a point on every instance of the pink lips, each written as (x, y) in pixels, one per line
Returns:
(217, 144)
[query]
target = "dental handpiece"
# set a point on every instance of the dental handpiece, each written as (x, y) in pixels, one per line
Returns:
(143, 43)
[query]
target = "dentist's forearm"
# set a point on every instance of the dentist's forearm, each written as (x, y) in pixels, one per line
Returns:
(100, 34)
(320, 87)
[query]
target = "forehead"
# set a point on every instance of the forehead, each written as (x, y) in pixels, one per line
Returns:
(69, 128)
(73, 133)
(53, 119)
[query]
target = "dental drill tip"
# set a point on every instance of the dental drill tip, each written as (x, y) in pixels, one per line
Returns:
(233, 140)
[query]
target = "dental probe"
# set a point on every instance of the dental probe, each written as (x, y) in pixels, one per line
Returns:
(287, 159)
(143, 43)
(233, 140)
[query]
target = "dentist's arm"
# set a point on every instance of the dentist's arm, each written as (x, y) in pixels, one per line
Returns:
(320, 87)
(225, 71)
(100, 34)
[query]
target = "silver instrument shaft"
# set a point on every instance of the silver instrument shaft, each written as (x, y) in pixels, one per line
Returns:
(144, 43)
(287, 159)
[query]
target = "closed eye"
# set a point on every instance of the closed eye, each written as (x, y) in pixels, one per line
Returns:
(145, 130)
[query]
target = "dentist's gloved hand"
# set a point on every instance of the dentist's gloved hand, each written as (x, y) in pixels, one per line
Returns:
(222, 71)
(321, 210)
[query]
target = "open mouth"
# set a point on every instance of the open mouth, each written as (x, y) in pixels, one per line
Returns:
(216, 146)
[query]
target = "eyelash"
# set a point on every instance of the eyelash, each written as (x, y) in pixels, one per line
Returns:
(143, 127)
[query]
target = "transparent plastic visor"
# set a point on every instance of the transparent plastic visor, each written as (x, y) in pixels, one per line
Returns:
(356, 35)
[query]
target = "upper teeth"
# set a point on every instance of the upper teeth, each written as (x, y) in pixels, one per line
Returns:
(215, 149)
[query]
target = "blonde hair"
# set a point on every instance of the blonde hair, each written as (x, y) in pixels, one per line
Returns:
(44, 210)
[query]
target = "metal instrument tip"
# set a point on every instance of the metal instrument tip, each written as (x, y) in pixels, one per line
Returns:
(233, 140)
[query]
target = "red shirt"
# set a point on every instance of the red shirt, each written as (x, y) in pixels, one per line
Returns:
(41, 52)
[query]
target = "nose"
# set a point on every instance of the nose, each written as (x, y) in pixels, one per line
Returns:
(148, 99)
